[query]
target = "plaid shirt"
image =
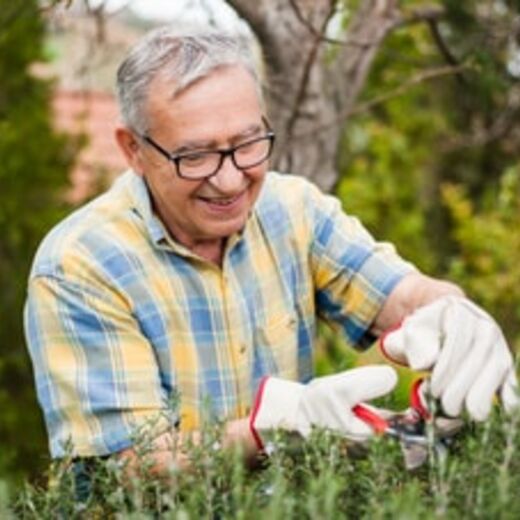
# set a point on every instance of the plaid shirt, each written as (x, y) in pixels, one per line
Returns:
(120, 318)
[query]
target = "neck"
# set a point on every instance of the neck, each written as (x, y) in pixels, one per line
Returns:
(213, 251)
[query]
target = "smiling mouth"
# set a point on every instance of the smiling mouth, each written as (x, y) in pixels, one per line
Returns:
(222, 202)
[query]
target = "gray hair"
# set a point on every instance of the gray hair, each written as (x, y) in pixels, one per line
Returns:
(182, 57)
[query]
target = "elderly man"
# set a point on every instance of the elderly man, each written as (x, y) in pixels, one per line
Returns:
(190, 291)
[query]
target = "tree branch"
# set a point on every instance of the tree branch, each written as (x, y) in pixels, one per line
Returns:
(253, 12)
(431, 14)
(98, 16)
(321, 35)
(370, 24)
(503, 124)
(310, 61)
(387, 96)
(425, 13)
(53, 3)
(310, 27)
(444, 49)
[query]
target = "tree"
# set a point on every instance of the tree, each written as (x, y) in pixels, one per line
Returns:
(317, 79)
(35, 162)
(308, 91)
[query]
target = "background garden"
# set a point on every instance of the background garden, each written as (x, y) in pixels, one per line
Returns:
(426, 152)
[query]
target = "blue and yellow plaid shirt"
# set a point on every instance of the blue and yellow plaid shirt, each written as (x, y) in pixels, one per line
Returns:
(120, 318)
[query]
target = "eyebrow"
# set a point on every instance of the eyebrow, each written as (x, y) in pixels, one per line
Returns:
(188, 146)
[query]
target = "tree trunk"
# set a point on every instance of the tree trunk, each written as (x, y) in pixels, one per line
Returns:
(313, 82)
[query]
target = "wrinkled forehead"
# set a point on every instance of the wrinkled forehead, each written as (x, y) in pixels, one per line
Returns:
(166, 87)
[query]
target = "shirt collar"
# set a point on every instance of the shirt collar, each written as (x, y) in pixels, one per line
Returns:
(142, 204)
(160, 236)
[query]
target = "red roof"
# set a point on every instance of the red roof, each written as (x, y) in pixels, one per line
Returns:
(95, 115)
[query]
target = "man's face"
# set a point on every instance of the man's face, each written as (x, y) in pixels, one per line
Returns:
(218, 111)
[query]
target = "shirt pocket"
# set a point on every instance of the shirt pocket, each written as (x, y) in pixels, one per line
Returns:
(277, 344)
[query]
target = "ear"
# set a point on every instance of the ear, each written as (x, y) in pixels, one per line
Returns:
(131, 148)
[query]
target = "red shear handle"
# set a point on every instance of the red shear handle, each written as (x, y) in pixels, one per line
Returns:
(377, 422)
(417, 401)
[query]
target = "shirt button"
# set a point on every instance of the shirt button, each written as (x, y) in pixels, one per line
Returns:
(242, 348)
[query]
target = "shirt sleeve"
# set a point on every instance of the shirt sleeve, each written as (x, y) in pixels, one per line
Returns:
(353, 273)
(96, 376)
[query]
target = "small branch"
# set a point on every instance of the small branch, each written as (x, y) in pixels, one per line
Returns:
(383, 98)
(253, 12)
(431, 15)
(427, 13)
(441, 44)
(98, 16)
(503, 124)
(444, 49)
(311, 59)
(320, 34)
(250, 11)
(53, 3)
(307, 24)
(403, 88)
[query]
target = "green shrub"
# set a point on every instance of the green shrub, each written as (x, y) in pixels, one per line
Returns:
(488, 262)
(34, 171)
(321, 478)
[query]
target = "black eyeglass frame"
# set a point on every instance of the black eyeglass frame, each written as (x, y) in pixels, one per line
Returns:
(224, 152)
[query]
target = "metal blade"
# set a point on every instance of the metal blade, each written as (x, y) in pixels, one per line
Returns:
(415, 455)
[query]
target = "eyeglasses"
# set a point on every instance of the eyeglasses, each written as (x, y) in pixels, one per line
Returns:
(203, 164)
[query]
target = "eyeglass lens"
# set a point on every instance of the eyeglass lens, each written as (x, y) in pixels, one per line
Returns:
(204, 164)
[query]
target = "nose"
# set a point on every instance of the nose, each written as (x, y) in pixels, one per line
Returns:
(229, 179)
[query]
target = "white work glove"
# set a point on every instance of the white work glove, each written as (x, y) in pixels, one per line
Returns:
(325, 402)
(466, 351)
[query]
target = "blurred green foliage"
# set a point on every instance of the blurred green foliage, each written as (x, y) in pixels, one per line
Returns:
(435, 169)
(488, 262)
(34, 165)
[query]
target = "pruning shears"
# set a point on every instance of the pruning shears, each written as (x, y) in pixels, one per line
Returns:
(416, 429)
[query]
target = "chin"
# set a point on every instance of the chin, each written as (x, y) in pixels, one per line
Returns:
(226, 229)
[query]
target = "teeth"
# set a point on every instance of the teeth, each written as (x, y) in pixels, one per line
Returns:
(221, 202)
